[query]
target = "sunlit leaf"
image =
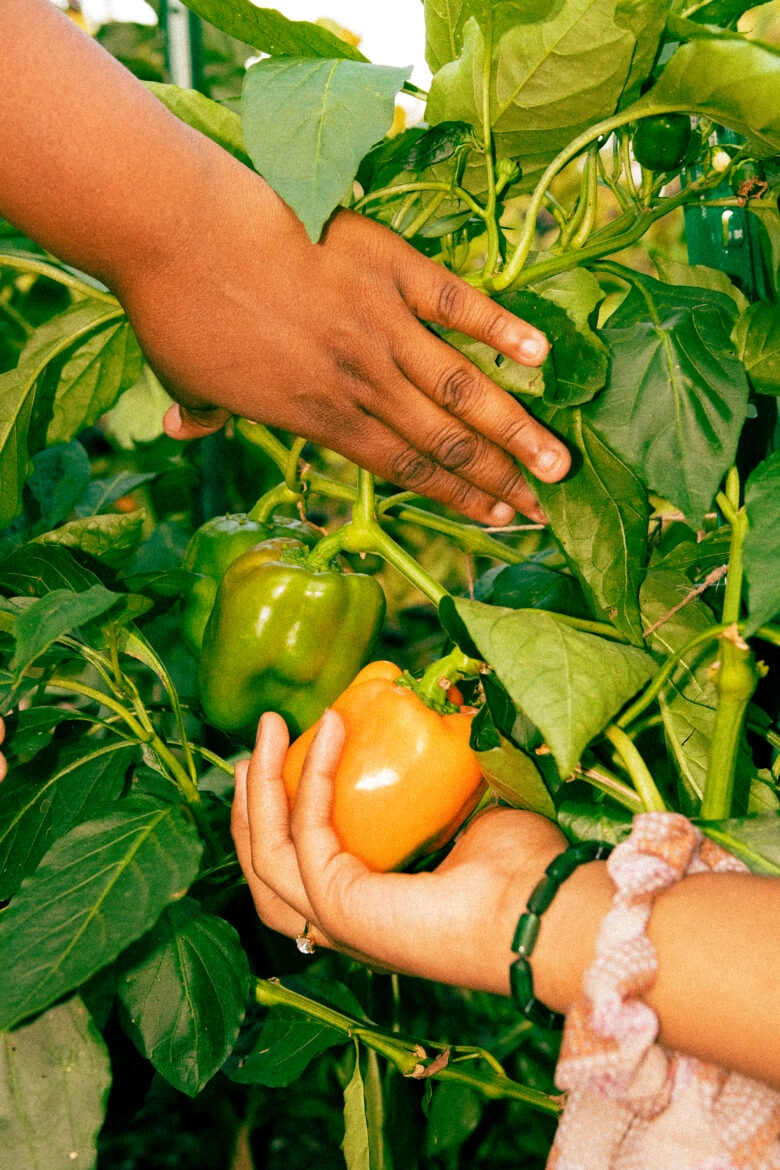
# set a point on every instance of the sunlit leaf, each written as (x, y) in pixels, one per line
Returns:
(268, 31)
(308, 123)
(570, 684)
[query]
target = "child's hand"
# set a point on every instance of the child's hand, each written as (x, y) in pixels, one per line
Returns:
(453, 925)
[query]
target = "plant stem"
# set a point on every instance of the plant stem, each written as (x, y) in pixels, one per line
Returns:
(651, 798)
(364, 534)
(405, 1054)
(737, 678)
(272, 499)
(28, 263)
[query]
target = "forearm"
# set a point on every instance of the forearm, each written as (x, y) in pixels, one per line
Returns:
(717, 992)
(93, 166)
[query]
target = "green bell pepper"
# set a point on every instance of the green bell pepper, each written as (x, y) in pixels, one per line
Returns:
(213, 547)
(284, 637)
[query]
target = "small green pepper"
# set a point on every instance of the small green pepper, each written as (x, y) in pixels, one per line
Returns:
(284, 637)
(661, 142)
(213, 547)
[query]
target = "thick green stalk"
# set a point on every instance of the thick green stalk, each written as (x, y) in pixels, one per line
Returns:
(737, 676)
(403, 1053)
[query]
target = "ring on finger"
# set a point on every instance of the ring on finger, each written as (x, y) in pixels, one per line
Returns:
(304, 942)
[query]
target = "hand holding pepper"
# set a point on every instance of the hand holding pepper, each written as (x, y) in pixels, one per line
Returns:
(455, 924)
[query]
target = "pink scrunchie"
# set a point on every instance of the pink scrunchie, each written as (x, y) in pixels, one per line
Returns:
(633, 1104)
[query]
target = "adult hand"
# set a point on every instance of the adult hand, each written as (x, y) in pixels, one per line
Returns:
(326, 341)
(453, 925)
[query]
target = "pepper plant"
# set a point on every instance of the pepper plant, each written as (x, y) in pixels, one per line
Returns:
(623, 659)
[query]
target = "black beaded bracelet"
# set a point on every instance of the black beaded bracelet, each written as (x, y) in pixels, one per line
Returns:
(527, 932)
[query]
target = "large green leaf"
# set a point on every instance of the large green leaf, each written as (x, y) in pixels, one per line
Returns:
(92, 379)
(98, 889)
(445, 21)
(549, 77)
(184, 988)
(18, 391)
(762, 542)
(677, 394)
(599, 514)
(307, 124)
(55, 1074)
(41, 802)
(755, 840)
(726, 78)
(688, 700)
(217, 122)
(515, 778)
(270, 32)
(570, 684)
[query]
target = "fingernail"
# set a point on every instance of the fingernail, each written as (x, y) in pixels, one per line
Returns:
(534, 349)
(547, 460)
(501, 515)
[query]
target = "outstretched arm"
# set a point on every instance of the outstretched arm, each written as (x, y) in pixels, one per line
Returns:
(237, 311)
(717, 994)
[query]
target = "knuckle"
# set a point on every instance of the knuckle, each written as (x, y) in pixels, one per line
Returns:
(456, 449)
(451, 300)
(455, 387)
(412, 469)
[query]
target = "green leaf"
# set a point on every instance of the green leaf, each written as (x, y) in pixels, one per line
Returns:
(98, 889)
(308, 123)
(270, 32)
(287, 1043)
(577, 364)
(726, 78)
(18, 390)
(218, 123)
(688, 701)
(355, 1143)
(757, 338)
(699, 276)
(92, 379)
(677, 395)
(599, 514)
(61, 477)
(52, 616)
(445, 21)
(754, 840)
(570, 684)
(35, 570)
(184, 989)
(42, 802)
(582, 821)
(456, 1111)
(514, 777)
(761, 550)
(112, 538)
(55, 1074)
(549, 77)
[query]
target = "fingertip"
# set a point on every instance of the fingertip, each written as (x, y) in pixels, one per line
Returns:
(552, 463)
(533, 349)
(184, 425)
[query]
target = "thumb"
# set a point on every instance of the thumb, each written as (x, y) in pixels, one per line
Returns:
(183, 422)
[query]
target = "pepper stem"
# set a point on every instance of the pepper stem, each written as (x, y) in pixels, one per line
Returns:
(364, 534)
